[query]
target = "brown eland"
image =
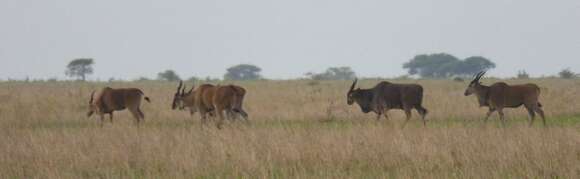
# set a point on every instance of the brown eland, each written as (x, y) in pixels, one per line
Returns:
(204, 100)
(385, 96)
(501, 95)
(219, 99)
(182, 100)
(109, 100)
(229, 99)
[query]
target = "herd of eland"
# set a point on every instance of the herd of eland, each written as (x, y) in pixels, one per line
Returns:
(226, 101)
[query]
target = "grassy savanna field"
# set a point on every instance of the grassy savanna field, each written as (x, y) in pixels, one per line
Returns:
(297, 129)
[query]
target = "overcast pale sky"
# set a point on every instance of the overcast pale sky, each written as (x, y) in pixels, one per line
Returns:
(133, 38)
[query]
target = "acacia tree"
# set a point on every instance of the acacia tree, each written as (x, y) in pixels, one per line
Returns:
(522, 74)
(168, 75)
(80, 68)
(432, 65)
(243, 72)
(444, 65)
(567, 74)
(334, 73)
(473, 65)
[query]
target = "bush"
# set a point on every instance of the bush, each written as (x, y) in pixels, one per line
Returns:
(168, 75)
(567, 74)
(522, 74)
(334, 73)
(458, 79)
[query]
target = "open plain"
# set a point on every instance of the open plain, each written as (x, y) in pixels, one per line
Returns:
(297, 129)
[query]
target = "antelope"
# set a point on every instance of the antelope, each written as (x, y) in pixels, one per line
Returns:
(184, 100)
(220, 99)
(385, 96)
(110, 100)
(501, 95)
(204, 100)
(229, 99)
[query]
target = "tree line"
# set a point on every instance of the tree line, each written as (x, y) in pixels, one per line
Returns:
(82, 67)
(444, 65)
(439, 65)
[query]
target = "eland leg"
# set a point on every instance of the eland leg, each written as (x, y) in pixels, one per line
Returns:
(385, 114)
(220, 114)
(423, 112)
(191, 111)
(532, 115)
(141, 114)
(102, 119)
(242, 113)
(203, 114)
(379, 110)
(136, 115)
(501, 116)
(407, 115)
(539, 110)
(231, 115)
(491, 110)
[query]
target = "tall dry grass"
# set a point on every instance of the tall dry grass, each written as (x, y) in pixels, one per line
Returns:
(298, 129)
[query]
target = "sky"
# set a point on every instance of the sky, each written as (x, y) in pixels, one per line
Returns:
(129, 39)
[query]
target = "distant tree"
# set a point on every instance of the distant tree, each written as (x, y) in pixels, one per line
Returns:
(80, 68)
(432, 66)
(142, 79)
(193, 79)
(522, 74)
(168, 75)
(334, 73)
(243, 72)
(401, 77)
(458, 79)
(473, 65)
(340, 73)
(444, 65)
(567, 74)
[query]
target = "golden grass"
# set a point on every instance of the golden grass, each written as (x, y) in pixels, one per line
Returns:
(297, 130)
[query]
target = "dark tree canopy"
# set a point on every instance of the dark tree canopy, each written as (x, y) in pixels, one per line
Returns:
(193, 79)
(168, 75)
(243, 72)
(522, 74)
(80, 68)
(444, 65)
(334, 73)
(567, 74)
(475, 64)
